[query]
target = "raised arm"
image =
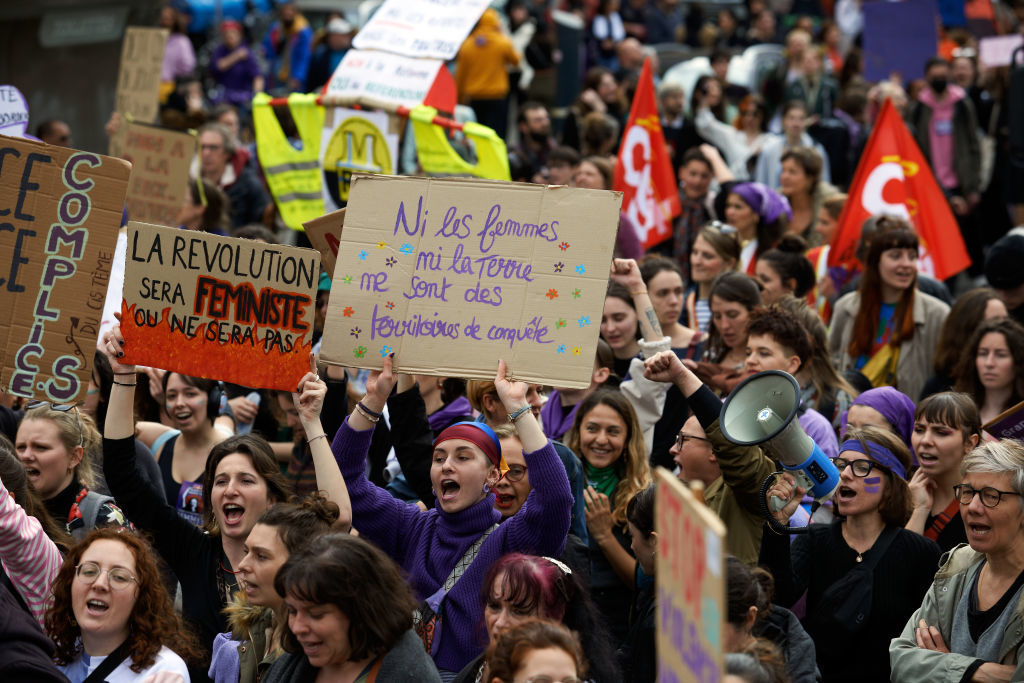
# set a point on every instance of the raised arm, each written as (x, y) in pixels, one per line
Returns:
(30, 558)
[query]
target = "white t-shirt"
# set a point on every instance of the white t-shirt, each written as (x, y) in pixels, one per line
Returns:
(166, 660)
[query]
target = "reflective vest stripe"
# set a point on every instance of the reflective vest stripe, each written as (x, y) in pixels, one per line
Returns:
(295, 166)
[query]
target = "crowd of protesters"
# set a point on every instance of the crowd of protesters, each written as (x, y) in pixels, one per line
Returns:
(379, 526)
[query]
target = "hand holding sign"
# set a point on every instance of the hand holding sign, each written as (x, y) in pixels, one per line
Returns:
(113, 349)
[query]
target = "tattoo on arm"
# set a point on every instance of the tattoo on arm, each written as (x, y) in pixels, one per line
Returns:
(652, 320)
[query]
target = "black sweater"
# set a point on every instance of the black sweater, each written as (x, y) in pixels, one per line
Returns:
(821, 557)
(193, 555)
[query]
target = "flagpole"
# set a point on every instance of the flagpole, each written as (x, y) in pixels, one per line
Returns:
(399, 109)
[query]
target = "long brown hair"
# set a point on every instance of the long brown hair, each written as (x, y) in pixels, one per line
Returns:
(967, 379)
(263, 461)
(892, 233)
(967, 313)
(152, 623)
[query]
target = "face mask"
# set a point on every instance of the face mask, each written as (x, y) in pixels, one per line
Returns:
(938, 85)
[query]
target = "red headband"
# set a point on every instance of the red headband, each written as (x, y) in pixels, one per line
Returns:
(475, 436)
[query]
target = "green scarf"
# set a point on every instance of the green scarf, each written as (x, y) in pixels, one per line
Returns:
(603, 479)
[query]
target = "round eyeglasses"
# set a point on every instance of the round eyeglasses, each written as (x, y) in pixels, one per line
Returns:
(118, 578)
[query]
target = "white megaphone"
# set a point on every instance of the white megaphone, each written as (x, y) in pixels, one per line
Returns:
(763, 410)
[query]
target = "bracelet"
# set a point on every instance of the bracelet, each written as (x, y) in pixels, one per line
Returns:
(124, 373)
(318, 436)
(638, 292)
(362, 411)
(124, 384)
(512, 417)
(368, 411)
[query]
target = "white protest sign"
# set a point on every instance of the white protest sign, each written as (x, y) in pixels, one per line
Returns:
(14, 111)
(421, 28)
(377, 79)
(998, 50)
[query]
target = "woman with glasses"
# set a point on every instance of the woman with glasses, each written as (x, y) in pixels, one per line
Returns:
(872, 505)
(111, 617)
(970, 625)
(56, 444)
(716, 250)
(537, 652)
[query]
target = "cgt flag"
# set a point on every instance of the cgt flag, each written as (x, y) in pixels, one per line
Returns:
(894, 178)
(643, 171)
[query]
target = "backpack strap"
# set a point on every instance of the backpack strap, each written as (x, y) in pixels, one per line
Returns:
(467, 559)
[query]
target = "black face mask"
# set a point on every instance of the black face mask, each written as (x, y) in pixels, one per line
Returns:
(541, 136)
(938, 85)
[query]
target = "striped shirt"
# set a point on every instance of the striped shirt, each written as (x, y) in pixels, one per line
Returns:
(29, 557)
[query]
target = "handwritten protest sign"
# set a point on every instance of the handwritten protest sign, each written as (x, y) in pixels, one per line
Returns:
(138, 80)
(218, 307)
(689, 568)
(381, 79)
(420, 28)
(159, 182)
(13, 111)
(61, 209)
(451, 275)
(324, 234)
(1008, 424)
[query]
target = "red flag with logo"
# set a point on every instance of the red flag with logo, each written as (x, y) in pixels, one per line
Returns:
(643, 171)
(894, 178)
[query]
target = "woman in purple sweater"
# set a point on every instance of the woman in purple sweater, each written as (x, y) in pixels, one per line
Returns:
(428, 545)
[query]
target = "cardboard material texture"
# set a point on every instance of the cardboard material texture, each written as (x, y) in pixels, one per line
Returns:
(61, 210)
(380, 79)
(218, 307)
(324, 234)
(138, 79)
(159, 183)
(690, 571)
(1008, 424)
(420, 28)
(451, 275)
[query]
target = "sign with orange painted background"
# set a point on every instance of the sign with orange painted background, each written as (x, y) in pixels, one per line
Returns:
(218, 307)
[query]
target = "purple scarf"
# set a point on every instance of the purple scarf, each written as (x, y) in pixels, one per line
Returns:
(555, 422)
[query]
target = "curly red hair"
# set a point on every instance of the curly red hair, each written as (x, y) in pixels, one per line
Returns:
(153, 622)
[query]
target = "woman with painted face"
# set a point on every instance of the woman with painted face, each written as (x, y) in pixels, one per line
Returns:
(57, 444)
(866, 545)
(245, 653)
(946, 428)
(968, 627)
(241, 481)
(112, 615)
(992, 370)
(888, 329)
(447, 550)
(349, 617)
(608, 438)
(519, 588)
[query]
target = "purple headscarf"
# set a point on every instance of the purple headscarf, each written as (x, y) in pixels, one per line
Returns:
(766, 202)
(895, 407)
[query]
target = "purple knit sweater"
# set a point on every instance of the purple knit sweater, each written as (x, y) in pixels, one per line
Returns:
(428, 544)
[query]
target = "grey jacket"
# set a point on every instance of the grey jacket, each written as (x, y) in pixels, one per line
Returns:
(916, 354)
(911, 663)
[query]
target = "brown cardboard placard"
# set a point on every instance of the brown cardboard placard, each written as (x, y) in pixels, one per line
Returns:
(218, 307)
(690, 575)
(451, 274)
(160, 160)
(324, 234)
(138, 78)
(61, 211)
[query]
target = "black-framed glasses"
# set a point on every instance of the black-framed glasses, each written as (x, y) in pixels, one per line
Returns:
(861, 468)
(683, 437)
(62, 408)
(544, 678)
(990, 497)
(118, 578)
(723, 228)
(515, 472)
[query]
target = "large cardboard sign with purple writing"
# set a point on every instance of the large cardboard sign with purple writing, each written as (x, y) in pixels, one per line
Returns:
(218, 307)
(451, 275)
(60, 210)
(159, 181)
(690, 570)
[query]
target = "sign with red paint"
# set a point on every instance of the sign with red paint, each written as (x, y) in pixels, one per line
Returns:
(324, 234)
(218, 307)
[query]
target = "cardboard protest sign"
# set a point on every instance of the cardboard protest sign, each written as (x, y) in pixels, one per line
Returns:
(13, 111)
(1008, 424)
(889, 47)
(354, 142)
(451, 275)
(324, 234)
(218, 307)
(138, 80)
(420, 28)
(159, 183)
(61, 209)
(381, 79)
(690, 574)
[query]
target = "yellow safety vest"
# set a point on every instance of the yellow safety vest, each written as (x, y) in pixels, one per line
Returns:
(437, 156)
(293, 175)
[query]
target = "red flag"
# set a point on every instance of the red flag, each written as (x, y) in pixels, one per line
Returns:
(893, 177)
(643, 171)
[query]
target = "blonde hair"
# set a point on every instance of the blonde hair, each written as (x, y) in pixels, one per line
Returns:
(67, 423)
